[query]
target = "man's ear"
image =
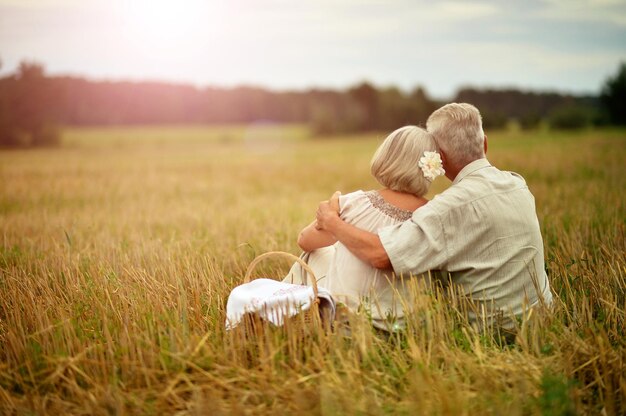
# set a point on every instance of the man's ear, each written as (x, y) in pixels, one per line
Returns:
(485, 144)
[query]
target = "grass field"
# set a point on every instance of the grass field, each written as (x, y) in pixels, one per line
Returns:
(119, 250)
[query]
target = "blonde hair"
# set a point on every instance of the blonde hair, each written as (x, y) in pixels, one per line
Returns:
(395, 163)
(458, 131)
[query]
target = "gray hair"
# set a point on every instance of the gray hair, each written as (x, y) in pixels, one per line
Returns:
(458, 131)
(395, 163)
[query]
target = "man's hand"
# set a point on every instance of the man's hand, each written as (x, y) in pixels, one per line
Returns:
(327, 212)
(363, 244)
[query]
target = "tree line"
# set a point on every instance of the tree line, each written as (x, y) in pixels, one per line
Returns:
(33, 106)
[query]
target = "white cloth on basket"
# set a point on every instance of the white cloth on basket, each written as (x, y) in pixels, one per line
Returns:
(272, 300)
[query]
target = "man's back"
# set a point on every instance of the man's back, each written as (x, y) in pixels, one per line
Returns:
(482, 231)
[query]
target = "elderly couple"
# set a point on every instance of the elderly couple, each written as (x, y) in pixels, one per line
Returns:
(481, 235)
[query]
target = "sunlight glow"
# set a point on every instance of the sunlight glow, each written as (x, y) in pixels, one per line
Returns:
(166, 22)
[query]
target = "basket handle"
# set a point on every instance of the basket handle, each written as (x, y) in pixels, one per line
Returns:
(283, 254)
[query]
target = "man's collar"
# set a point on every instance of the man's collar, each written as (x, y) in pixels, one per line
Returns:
(471, 168)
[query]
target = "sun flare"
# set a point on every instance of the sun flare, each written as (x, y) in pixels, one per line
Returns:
(163, 20)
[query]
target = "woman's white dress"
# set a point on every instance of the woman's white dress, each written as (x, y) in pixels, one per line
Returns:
(353, 282)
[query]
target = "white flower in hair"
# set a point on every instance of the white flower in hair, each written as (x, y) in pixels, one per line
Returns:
(431, 165)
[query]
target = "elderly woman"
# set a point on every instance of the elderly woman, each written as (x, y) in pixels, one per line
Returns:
(405, 165)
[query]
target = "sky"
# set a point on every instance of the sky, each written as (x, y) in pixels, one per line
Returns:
(568, 46)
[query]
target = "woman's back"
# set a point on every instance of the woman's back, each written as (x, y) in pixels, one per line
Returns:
(356, 283)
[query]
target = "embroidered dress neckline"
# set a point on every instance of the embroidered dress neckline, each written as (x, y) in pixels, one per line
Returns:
(386, 208)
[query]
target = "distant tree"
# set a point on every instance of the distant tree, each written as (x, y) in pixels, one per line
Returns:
(30, 71)
(571, 116)
(493, 119)
(530, 120)
(26, 108)
(334, 112)
(423, 106)
(367, 97)
(394, 109)
(613, 96)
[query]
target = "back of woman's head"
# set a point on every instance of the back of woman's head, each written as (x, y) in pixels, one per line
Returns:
(395, 164)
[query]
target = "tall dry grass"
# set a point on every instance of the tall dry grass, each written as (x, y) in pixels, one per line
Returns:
(119, 251)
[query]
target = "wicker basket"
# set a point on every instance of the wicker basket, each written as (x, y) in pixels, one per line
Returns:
(314, 316)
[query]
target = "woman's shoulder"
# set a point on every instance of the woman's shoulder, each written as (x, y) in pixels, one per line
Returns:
(351, 198)
(354, 204)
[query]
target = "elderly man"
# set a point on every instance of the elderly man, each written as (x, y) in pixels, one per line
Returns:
(482, 232)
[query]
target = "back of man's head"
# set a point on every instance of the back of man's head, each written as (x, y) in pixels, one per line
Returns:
(458, 131)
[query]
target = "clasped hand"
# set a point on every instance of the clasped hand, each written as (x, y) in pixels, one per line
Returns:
(327, 211)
